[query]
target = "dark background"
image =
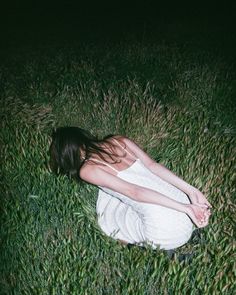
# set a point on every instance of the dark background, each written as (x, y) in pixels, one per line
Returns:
(34, 22)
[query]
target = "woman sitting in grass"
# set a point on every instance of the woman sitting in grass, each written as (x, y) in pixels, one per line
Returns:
(139, 201)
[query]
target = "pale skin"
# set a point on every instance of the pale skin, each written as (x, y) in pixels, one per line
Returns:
(98, 174)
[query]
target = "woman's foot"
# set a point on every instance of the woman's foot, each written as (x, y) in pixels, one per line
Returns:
(123, 242)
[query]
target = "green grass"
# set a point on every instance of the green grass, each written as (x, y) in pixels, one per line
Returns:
(176, 102)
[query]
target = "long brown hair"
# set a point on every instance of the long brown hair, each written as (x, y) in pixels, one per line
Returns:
(65, 150)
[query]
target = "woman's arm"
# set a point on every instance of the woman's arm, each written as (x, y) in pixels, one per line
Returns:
(160, 170)
(156, 168)
(163, 172)
(100, 177)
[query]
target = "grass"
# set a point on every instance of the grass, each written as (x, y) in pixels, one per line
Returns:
(176, 102)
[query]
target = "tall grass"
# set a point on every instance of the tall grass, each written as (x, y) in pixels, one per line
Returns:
(178, 108)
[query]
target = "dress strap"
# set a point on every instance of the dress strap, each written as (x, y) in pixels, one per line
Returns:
(132, 156)
(104, 163)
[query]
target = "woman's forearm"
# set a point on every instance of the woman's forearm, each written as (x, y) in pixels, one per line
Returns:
(164, 173)
(146, 195)
(198, 214)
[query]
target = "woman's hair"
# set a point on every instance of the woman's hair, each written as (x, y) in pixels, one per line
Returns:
(65, 150)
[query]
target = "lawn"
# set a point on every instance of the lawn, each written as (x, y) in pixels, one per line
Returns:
(176, 101)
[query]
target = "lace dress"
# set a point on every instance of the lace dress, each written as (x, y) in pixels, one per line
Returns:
(125, 219)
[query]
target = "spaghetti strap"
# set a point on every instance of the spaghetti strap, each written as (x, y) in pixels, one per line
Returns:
(106, 164)
(132, 156)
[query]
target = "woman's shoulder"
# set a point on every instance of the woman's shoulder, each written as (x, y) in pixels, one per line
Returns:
(125, 139)
(120, 137)
(116, 137)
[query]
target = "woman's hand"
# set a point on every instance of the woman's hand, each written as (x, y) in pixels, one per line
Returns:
(198, 213)
(197, 197)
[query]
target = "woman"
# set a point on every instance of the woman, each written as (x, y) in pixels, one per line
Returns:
(139, 201)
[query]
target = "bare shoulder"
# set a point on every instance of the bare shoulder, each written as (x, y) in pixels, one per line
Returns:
(119, 137)
(130, 143)
(85, 171)
(122, 138)
(98, 176)
(138, 151)
(89, 169)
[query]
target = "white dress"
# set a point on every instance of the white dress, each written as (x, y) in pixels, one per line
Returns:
(125, 219)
